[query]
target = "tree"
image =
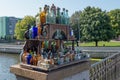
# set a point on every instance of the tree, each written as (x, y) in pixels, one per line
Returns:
(22, 26)
(95, 25)
(115, 21)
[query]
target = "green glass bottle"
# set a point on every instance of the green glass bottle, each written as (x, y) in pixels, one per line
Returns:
(48, 16)
(58, 18)
(53, 17)
(63, 20)
(66, 18)
(53, 14)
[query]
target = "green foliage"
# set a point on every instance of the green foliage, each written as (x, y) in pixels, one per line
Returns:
(22, 26)
(115, 21)
(94, 25)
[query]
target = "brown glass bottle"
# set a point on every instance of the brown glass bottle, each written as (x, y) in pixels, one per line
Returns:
(24, 57)
(35, 59)
(43, 15)
(39, 23)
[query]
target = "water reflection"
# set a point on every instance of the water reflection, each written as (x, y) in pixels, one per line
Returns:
(6, 60)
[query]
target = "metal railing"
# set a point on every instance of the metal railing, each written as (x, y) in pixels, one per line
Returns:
(107, 69)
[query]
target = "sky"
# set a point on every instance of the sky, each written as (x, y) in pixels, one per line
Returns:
(21, 8)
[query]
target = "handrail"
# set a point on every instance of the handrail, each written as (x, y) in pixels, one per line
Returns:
(21, 55)
(22, 51)
(104, 59)
(106, 69)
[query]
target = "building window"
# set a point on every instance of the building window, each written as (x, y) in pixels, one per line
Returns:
(10, 26)
(10, 31)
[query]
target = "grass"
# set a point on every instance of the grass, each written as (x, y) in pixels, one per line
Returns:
(95, 59)
(102, 43)
(92, 61)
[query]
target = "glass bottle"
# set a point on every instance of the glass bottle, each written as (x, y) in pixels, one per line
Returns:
(71, 32)
(62, 18)
(43, 44)
(53, 18)
(39, 59)
(53, 8)
(66, 18)
(34, 59)
(38, 18)
(34, 32)
(43, 15)
(46, 44)
(29, 57)
(48, 16)
(39, 31)
(38, 24)
(58, 18)
(53, 13)
(24, 57)
(30, 33)
(38, 56)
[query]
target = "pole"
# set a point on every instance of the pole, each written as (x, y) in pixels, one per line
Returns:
(78, 30)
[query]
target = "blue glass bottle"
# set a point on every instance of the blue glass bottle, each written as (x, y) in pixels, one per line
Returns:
(29, 57)
(71, 32)
(34, 32)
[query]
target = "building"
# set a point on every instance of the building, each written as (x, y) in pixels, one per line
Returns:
(7, 26)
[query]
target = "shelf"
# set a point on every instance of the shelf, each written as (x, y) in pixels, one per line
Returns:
(54, 67)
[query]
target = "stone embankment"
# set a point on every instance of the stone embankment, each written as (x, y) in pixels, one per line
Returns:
(100, 52)
(14, 48)
(100, 48)
(10, 48)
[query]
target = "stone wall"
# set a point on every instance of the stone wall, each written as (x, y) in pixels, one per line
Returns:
(80, 76)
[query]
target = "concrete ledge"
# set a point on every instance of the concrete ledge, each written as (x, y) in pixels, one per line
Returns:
(60, 74)
(27, 74)
(68, 71)
(9, 48)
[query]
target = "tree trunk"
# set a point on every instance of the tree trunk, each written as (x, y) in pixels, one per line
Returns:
(96, 43)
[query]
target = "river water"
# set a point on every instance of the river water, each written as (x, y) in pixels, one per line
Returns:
(6, 60)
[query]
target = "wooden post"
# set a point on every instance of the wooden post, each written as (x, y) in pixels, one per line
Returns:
(72, 44)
